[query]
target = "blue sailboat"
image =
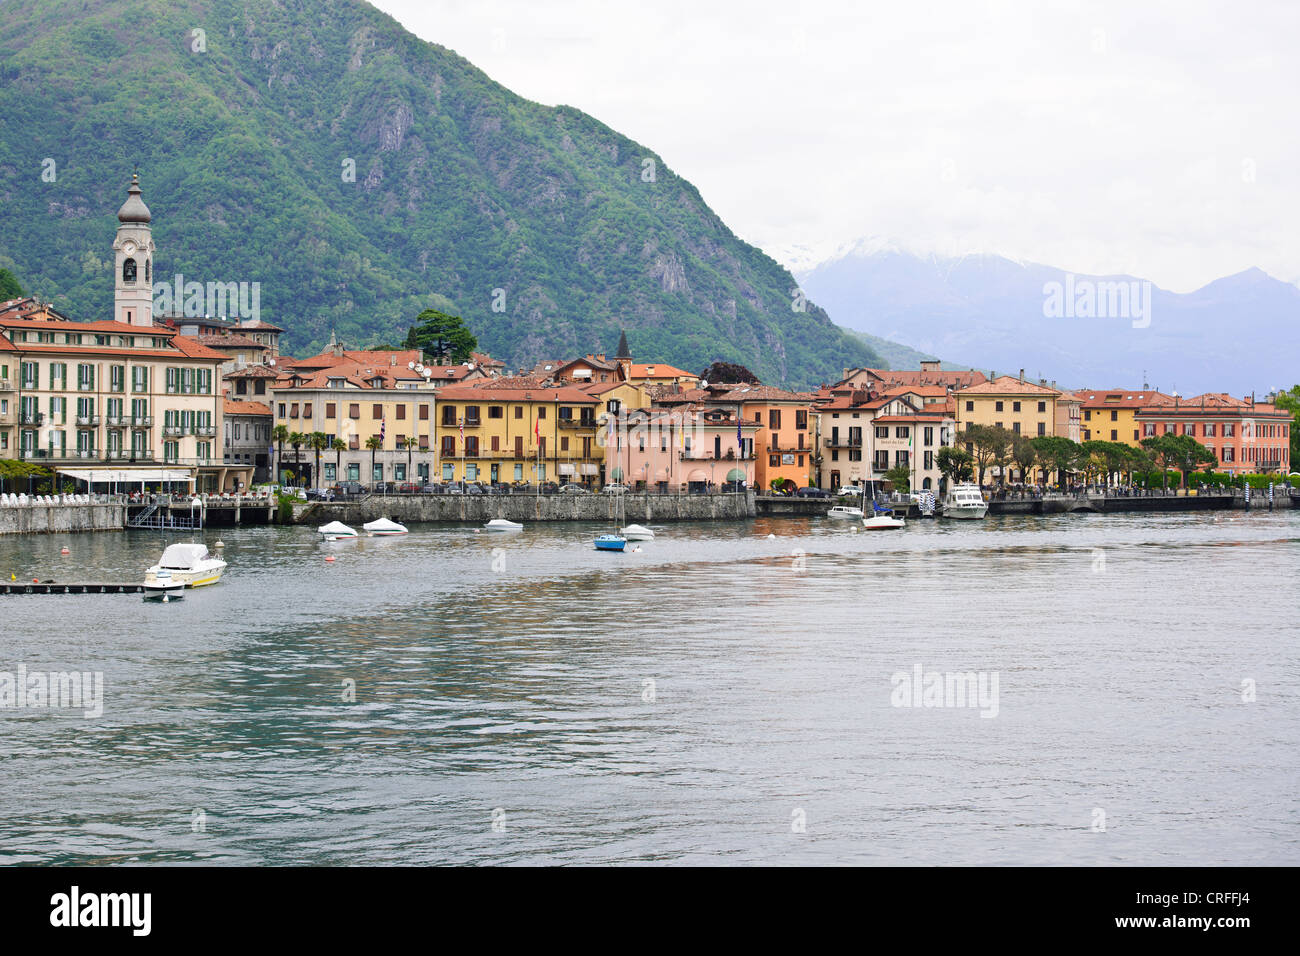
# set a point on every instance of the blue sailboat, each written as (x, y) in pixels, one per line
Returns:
(610, 542)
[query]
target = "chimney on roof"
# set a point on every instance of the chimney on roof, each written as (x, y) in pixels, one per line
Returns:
(1022, 376)
(927, 366)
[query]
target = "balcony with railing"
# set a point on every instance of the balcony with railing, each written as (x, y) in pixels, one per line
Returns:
(117, 421)
(205, 431)
(577, 422)
(88, 421)
(6, 385)
(834, 442)
(173, 431)
(141, 421)
(31, 418)
(702, 454)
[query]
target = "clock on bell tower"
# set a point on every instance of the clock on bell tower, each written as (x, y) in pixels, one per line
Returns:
(133, 261)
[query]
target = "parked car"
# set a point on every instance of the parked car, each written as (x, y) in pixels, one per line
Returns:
(407, 488)
(472, 488)
(850, 491)
(349, 489)
(452, 488)
(811, 492)
(549, 488)
(431, 489)
(615, 489)
(384, 488)
(320, 494)
(572, 489)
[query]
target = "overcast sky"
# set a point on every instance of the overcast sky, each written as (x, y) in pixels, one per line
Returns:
(1158, 139)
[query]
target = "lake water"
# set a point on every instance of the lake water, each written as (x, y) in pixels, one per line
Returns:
(716, 697)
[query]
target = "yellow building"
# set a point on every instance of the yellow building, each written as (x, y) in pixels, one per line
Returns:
(355, 402)
(514, 431)
(1012, 403)
(1111, 415)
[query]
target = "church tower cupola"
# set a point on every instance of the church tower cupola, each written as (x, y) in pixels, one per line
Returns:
(133, 261)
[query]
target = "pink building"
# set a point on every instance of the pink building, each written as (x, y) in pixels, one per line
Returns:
(690, 448)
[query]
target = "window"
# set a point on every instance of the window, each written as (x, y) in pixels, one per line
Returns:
(564, 443)
(519, 411)
(399, 471)
(1015, 428)
(241, 386)
(306, 410)
(330, 474)
(448, 446)
(997, 406)
(882, 431)
(354, 410)
(1087, 414)
(1228, 451)
(293, 410)
(496, 411)
(449, 415)
(929, 460)
(929, 437)
(1042, 430)
(85, 378)
(541, 411)
(1229, 429)
(801, 418)
(1209, 429)
(330, 409)
(282, 412)
(377, 412)
(902, 431)
(377, 473)
(774, 419)
(774, 461)
(1015, 406)
(901, 457)
(471, 416)
(424, 413)
(401, 413)
(1114, 415)
(1042, 407)
(1114, 435)
(970, 406)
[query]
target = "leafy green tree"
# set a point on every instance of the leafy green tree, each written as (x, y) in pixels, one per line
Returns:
(1290, 401)
(9, 287)
(1025, 455)
(1059, 452)
(729, 372)
(989, 445)
(410, 443)
(441, 336)
(955, 464)
(900, 476)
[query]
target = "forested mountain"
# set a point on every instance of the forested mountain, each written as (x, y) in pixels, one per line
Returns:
(244, 119)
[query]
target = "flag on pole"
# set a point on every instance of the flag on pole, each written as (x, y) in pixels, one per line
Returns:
(740, 439)
(382, 430)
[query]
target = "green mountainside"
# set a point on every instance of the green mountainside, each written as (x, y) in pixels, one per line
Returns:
(242, 135)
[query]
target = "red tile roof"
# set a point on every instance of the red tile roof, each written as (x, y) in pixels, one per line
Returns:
(231, 407)
(764, 393)
(1007, 385)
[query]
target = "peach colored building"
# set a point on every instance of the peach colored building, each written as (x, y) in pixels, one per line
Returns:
(689, 448)
(1246, 436)
(783, 444)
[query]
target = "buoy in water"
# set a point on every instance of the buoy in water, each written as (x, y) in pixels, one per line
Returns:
(329, 559)
(771, 537)
(65, 551)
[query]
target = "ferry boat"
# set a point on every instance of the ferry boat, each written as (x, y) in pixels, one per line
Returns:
(189, 564)
(965, 501)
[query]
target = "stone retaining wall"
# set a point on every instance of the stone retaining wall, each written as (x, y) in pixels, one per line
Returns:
(61, 518)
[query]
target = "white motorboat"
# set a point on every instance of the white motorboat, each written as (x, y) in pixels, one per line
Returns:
(882, 519)
(637, 532)
(383, 528)
(845, 512)
(163, 587)
(335, 530)
(965, 501)
(502, 524)
(190, 565)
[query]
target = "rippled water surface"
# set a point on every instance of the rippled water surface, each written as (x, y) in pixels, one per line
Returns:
(718, 696)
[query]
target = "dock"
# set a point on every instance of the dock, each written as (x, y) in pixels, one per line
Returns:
(70, 587)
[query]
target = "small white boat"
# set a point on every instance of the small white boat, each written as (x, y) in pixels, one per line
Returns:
(965, 501)
(637, 532)
(844, 511)
(190, 565)
(501, 524)
(163, 588)
(882, 520)
(383, 528)
(335, 530)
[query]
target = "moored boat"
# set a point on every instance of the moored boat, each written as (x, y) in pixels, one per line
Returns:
(610, 542)
(335, 530)
(503, 524)
(844, 512)
(163, 588)
(637, 532)
(882, 519)
(965, 501)
(189, 564)
(383, 528)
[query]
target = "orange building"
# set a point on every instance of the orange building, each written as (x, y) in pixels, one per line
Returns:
(783, 446)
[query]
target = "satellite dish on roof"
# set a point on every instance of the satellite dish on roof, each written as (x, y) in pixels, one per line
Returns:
(270, 361)
(427, 373)
(410, 365)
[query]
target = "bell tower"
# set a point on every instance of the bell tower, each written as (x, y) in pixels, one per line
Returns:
(133, 261)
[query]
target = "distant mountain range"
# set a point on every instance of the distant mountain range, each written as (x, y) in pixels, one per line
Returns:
(1238, 334)
(361, 175)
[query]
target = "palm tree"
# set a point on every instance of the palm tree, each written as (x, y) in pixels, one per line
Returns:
(297, 440)
(338, 446)
(317, 442)
(410, 444)
(281, 435)
(374, 443)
